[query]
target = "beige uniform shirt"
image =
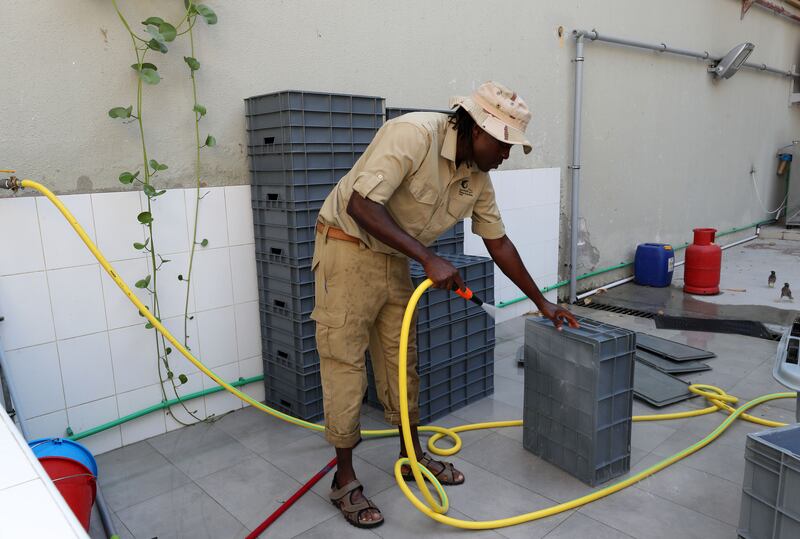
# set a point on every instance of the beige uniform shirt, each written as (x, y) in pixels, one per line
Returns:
(410, 169)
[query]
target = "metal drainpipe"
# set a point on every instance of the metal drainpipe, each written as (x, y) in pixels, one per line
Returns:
(575, 168)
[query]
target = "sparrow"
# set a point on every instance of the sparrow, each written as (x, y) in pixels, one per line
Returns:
(786, 292)
(772, 278)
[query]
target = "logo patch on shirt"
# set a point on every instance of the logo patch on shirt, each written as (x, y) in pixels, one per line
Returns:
(464, 190)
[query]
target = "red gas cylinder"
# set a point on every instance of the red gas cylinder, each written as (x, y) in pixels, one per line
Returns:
(703, 263)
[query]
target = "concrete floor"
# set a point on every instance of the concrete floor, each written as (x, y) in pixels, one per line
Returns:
(222, 480)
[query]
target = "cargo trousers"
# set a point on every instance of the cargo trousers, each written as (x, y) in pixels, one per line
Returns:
(360, 298)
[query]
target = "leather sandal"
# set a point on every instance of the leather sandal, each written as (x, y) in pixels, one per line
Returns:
(340, 497)
(446, 475)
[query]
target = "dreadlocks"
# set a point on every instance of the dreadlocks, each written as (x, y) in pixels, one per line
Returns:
(462, 122)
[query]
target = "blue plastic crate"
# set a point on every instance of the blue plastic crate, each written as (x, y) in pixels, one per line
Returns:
(579, 397)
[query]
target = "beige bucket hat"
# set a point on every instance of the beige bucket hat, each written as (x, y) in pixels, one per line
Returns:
(498, 111)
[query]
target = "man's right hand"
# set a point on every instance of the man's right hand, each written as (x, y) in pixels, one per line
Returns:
(443, 274)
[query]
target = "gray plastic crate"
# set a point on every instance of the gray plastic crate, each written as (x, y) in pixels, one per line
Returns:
(310, 135)
(267, 162)
(291, 279)
(319, 147)
(450, 386)
(313, 101)
(288, 252)
(328, 177)
(289, 197)
(308, 118)
(579, 397)
(295, 402)
(274, 300)
(771, 487)
(440, 345)
(435, 304)
(394, 112)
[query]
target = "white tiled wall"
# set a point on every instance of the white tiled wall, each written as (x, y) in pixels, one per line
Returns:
(79, 350)
(529, 203)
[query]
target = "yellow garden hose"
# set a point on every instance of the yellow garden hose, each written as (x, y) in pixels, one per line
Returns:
(720, 401)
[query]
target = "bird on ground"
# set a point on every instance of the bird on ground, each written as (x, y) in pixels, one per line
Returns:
(786, 292)
(772, 278)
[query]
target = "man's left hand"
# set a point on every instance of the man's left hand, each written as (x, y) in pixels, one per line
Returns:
(558, 315)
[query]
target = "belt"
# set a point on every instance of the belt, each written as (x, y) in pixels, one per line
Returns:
(337, 233)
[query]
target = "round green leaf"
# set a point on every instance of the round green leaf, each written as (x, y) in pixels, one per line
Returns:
(200, 109)
(168, 350)
(193, 64)
(211, 141)
(149, 190)
(135, 67)
(150, 76)
(170, 374)
(154, 164)
(204, 243)
(143, 283)
(159, 193)
(207, 13)
(157, 45)
(148, 326)
(120, 112)
(153, 20)
(127, 178)
(183, 378)
(138, 246)
(145, 218)
(167, 31)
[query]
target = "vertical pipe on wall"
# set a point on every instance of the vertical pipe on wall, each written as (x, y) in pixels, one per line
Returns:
(575, 169)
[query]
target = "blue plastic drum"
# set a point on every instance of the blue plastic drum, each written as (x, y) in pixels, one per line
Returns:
(654, 264)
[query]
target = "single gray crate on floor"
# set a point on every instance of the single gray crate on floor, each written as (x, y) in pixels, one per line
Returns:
(579, 397)
(771, 487)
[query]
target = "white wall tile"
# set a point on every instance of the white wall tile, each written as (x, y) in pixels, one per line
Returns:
(248, 368)
(16, 466)
(29, 510)
(240, 214)
(197, 406)
(86, 368)
(170, 225)
(243, 272)
(171, 291)
(211, 279)
(217, 334)
(53, 425)
(248, 329)
(93, 414)
(146, 426)
(133, 354)
(120, 312)
(178, 363)
(77, 297)
(21, 242)
(222, 401)
(25, 303)
(116, 225)
(63, 248)
(212, 223)
(38, 376)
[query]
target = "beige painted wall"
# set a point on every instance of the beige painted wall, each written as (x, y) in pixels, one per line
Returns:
(665, 148)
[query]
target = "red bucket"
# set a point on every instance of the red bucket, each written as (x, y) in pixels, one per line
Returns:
(76, 484)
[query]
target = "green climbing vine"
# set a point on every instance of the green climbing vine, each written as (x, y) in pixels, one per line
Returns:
(156, 38)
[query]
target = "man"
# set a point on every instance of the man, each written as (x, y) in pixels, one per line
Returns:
(421, 174)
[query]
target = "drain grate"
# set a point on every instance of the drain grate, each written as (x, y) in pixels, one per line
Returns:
(619, 310)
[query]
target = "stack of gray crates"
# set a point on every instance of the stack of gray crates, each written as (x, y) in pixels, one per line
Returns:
(300, 144)
(455, 342)
(771, 487)
(579, 397)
